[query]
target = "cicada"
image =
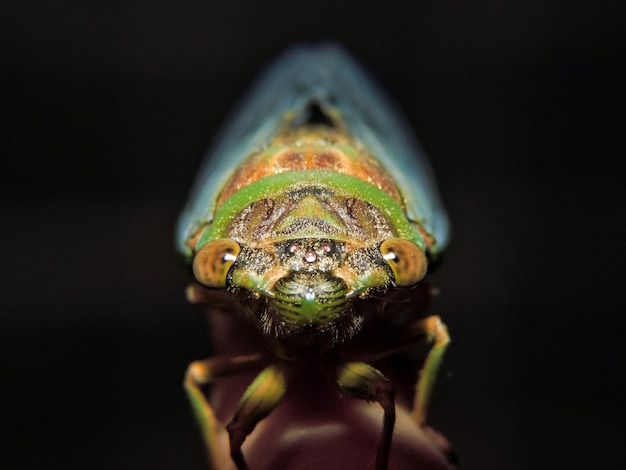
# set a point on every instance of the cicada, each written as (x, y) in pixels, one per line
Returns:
(309, 230)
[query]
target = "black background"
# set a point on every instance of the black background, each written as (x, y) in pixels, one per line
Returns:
(107, 109)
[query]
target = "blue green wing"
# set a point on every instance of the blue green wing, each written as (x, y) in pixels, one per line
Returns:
(329, 78)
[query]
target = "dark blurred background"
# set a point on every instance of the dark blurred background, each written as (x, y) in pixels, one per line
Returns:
(107, 109)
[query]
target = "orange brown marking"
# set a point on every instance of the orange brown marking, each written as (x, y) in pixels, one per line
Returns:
(311, 148)
(429, 240)
(192, 241)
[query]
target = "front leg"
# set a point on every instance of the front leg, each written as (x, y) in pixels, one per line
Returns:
(433, 331)
(363, 381)
(436, 333)
(430, 330)
(260, 399)
(202, 373)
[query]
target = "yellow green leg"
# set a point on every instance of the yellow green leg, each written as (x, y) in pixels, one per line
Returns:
(259, 400)
(201, 373)
(363, 381)
(429, 330)
(435, 332)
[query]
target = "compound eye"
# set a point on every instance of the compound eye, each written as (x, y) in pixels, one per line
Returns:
(406, 260)
(214, 260)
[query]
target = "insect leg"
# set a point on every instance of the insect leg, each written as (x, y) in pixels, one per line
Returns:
(436, 333)
(428, 330)
(259, 400)
(201, 373)
(363, 381)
